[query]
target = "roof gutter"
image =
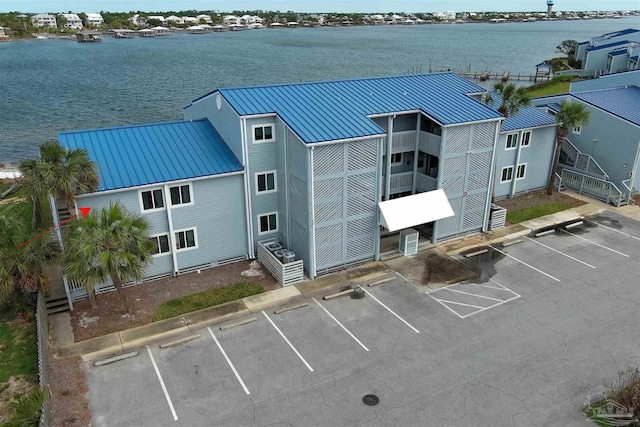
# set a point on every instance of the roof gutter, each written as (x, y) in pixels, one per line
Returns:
(156, 184)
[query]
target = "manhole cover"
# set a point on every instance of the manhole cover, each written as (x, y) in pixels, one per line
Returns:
(370, 400)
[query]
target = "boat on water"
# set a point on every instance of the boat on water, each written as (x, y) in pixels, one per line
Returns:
(505, 76)
(484, 76)
(88, 37)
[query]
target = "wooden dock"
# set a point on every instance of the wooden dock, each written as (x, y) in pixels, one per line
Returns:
(500, 76)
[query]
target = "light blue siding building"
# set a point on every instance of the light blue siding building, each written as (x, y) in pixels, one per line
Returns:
(609, 53)
(604, 154)
(319, 167)
(524, 154)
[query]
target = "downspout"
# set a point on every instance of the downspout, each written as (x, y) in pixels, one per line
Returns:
(416, 153)
(387, 182)
(443, 135)
(172, 236)
(312, 217)
(285, 138)
(635, 168)
(247, 189)
(376, 231)
(515, 167)
(487, 209)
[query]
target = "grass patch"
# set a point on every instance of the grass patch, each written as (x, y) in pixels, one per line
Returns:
(532, 212)
(18, 349)
(189, 303)
(555, 88)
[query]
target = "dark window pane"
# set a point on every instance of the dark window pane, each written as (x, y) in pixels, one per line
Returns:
(164, 244)
(147, 201)
(264, 224)
(191, 238)
(154, 242)
(157, 198)
(262, 186)
(272, 222)
(258, 134)
(175, 195)
(186, 196)
(271, 185)
(268, 132)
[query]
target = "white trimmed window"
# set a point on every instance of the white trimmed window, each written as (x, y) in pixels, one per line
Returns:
(512, 141)
(526, 139)
(396, 159)
(266, 182)
(268, 223)
(521, 171)
(160, 244)
(577, 130)
(151, 200)
(262, 133)
(507, 174)
(186, 239)
(181, 195)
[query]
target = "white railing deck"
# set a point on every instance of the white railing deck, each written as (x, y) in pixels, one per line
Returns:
(403, 141)
(430, 143)
(425, 183)
(593, 186)
(582, 162)
(401, 182)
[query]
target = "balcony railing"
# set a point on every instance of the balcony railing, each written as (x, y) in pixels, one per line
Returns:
(403, 142)
(425, 183)
(430, 143)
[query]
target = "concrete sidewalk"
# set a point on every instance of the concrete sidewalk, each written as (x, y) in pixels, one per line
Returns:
(127, 340)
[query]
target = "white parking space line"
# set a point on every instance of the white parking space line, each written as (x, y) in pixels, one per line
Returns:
(561, 253)
(479, 296)
(613, 229)
(479, 309)
(164, 388)
(594, 243)
(233, 368)
(341, 325)
(524, 263)
(288, 342)
(389, 310)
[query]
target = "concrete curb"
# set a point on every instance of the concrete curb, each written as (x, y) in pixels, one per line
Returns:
(179, 341)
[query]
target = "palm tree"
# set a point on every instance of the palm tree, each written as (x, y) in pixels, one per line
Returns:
(59, 173)
(21, 265)
(513, 98)
(571, 115)
(111, 243)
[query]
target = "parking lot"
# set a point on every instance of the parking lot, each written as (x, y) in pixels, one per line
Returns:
(544, 323)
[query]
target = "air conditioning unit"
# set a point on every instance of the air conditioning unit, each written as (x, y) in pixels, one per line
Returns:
(408, 242)
(288, 257)
(273, 246)
(279, 253)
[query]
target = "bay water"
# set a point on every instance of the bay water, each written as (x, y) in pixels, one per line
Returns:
(47, 86)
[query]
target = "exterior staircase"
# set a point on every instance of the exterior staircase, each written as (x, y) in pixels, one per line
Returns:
(57, 304)
(582, 173)
(56, 298)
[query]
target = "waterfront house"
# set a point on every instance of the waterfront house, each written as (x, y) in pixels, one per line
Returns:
(602, 157)
(2, 33)
(94, 19)
(596, 56)
(205, 18)
(44, 20)
(333, 170)
(175, 19)
(73, 21)
(156, 18)
(230, 20)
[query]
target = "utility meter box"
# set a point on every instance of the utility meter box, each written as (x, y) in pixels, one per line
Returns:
(408, 242)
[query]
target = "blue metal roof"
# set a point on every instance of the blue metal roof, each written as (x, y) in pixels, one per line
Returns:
(525, 118)
(618, 52)
(131, 156)
(634, 58)
(607, 46)
(623, 102)
(620, 33)
(336, 110)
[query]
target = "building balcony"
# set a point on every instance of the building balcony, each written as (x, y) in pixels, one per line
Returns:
(403, 182)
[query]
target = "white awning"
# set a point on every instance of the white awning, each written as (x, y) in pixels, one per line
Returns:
(409, 211)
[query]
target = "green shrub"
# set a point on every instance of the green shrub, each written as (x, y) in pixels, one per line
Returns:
(210, 298)
(27, 409)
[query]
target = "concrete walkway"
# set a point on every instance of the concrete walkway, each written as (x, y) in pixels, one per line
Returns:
(115, 343)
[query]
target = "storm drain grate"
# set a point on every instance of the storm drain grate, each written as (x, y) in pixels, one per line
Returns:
(370, 400)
